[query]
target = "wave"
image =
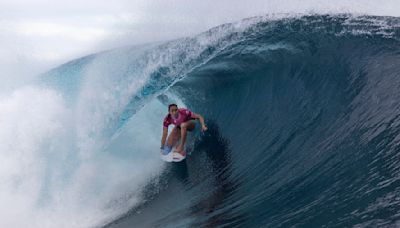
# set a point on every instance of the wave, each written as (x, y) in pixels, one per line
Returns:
(302, 117)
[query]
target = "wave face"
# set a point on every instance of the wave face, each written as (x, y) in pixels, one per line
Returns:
(304, 130)
(303, 118)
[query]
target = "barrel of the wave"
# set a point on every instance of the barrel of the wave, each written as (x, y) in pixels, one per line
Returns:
(173, 147)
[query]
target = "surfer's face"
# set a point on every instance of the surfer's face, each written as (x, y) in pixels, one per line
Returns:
(173, 111)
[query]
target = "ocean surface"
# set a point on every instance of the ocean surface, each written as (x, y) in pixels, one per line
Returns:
(304, 129)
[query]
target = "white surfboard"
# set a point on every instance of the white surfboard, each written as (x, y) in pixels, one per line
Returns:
(172, 156)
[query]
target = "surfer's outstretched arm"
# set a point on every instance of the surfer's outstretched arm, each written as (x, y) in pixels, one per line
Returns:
(201, 119)
(164, 136)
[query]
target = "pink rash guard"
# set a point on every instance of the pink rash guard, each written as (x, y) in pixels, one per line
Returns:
(184, 116)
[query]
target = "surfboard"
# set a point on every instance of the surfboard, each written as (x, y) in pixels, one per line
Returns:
(172, 156)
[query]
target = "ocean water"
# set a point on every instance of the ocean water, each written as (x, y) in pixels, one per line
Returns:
(303, 115)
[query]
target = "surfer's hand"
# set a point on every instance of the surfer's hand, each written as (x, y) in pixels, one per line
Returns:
(204, 128)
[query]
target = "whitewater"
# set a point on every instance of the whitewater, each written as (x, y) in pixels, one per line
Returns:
(303, 115)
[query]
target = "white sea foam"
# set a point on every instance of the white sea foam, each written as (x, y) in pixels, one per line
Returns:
(48, 179)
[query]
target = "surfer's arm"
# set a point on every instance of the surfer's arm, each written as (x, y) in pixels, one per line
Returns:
(164, 136)
(201, 119)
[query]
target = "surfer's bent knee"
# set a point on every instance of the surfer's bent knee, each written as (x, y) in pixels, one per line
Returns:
(189, 125)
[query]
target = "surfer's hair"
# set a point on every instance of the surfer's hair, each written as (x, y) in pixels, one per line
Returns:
(171, 105)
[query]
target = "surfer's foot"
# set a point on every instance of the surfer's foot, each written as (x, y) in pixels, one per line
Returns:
(179, 149)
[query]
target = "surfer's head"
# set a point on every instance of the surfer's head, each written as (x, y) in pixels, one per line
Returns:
(173, 110)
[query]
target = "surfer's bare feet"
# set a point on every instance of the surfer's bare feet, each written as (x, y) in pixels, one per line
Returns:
(179, 149)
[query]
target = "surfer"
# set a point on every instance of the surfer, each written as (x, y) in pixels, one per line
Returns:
(184, 120)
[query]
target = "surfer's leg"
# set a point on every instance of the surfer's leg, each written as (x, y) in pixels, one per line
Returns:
(190, 125)
(174, 137)
(187, 126)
